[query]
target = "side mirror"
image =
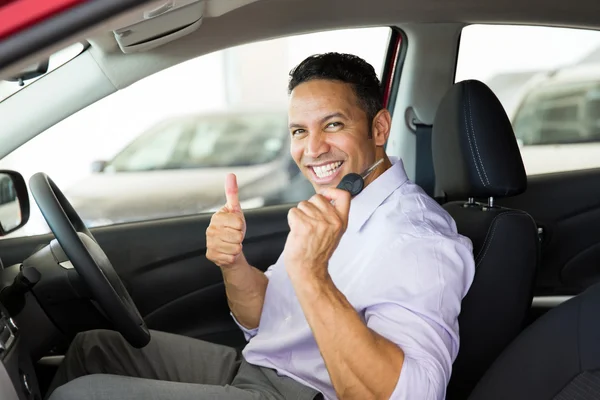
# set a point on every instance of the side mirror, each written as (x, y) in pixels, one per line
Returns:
(14, 201)
(98, 166)
(31, 72)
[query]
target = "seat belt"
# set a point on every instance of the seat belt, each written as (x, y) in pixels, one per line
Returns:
(424, 173)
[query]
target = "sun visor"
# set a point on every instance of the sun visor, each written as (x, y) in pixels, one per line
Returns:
(161, 23)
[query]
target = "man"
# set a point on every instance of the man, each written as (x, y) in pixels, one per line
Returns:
(363, 302)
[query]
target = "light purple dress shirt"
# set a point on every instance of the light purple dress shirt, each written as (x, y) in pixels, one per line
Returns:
(404, 268)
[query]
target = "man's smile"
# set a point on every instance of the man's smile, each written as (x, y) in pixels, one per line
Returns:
(326, 172)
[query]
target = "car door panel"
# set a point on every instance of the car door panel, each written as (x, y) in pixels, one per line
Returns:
(566, 206)
(178, 290)
(163, 265)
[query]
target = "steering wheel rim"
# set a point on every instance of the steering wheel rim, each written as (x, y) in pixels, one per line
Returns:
(89, 260)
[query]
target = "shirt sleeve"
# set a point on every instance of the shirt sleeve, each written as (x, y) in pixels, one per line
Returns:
(248, 333)
(417, 306)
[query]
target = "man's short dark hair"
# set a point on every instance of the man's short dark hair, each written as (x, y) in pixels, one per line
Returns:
(346, 68)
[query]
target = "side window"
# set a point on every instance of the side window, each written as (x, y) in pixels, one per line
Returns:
(153, 150)
(552, 98)
(552, 117)
(162, 146)
(242, 140)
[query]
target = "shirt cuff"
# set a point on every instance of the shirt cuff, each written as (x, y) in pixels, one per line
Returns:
(248, 333)
(414, 383)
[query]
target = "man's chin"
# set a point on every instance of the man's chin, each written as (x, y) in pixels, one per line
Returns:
(322, 186)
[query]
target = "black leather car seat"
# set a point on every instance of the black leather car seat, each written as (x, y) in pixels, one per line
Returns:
(477, 160)
(555, 358)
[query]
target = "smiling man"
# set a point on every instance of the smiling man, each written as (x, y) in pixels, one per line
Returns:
(362, 304)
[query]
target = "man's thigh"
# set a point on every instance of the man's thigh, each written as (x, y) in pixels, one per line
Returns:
(167, 357)
(170, 367)
(266, 380)
(114, 387)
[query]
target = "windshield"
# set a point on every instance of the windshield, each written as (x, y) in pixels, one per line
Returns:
(8, 88)
(205, 142)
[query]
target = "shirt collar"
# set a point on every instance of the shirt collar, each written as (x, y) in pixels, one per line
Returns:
(366, 202)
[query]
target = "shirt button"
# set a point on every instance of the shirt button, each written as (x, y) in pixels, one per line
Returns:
(288, 318)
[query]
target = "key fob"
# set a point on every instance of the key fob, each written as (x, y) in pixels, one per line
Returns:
(352, 183)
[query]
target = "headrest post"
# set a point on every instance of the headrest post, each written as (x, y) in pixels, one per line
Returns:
(470, 203)
(491, 202)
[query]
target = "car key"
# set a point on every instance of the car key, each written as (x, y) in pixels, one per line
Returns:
(355, 183)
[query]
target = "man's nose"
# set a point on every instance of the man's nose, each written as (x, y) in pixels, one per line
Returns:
(315, 145)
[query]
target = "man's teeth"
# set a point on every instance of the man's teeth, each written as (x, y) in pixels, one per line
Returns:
(323, 171)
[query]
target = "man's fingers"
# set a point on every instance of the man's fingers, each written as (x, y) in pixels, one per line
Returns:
(222, 253)
(295, 215)
(228, 220)
(321, 202)
(309, 209)
(225, 234)
(221, 247)
(231, 193)
(341, 201)
(230, 235)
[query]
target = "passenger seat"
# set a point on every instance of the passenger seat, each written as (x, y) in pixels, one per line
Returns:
(555, 358)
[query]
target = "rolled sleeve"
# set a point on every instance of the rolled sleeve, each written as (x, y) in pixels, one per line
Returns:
(427, 359)
(248, 333)
(417, 307)
(416, 382)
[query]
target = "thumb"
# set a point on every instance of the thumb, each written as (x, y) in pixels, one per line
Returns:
(231, 193)
(340, 199)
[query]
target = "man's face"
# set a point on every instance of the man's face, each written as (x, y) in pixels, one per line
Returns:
(330, 132)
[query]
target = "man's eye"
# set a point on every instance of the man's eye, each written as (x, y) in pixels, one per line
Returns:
(334, 124)
(297, 132)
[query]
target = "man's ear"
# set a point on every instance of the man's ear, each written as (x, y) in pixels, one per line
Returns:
(382, 124)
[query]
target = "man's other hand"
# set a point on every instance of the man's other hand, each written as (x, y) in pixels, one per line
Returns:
(316, 227)
(227, 229)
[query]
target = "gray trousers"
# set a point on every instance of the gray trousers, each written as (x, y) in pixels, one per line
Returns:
(101, 365)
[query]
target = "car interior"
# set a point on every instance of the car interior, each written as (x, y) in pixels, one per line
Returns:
(528, 325)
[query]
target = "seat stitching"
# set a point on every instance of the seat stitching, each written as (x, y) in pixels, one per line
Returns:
(491, 237)
(471, 145)
(488, 238)
(475, 139)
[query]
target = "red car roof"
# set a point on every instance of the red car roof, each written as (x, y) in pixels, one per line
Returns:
(18, 15)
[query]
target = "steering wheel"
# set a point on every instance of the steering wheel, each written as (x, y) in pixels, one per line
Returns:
(89, 260)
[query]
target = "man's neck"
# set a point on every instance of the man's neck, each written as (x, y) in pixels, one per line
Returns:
(384, 166)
